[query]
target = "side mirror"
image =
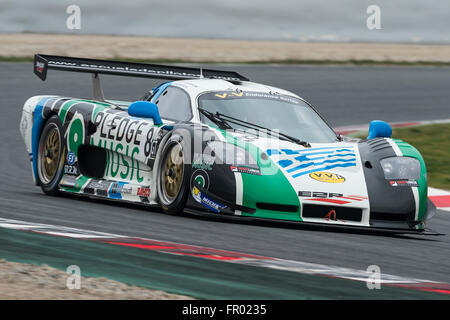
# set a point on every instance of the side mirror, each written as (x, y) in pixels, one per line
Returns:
(145, 109)
(380, 129)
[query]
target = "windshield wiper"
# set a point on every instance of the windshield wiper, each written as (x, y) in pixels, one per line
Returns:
(221, 123)
(272, 132)
(220, 118)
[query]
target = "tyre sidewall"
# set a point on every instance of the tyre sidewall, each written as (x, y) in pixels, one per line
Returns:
(52, 187)
(177, 205)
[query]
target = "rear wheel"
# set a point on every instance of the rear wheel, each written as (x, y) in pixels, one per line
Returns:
(50, 158)
(172, 177)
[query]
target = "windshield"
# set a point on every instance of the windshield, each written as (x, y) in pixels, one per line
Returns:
(289, 115)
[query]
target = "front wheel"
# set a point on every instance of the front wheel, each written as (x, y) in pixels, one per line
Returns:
(172, 176)
(50, 158)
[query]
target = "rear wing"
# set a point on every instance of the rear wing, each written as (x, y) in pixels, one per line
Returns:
(43, 63)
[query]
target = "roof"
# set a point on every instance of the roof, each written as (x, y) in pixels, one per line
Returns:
(198, 86)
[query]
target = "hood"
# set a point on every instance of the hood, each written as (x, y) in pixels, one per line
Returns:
(329, 174)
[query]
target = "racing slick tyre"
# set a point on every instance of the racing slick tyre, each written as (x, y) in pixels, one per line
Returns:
(50, 158)
(173, 176)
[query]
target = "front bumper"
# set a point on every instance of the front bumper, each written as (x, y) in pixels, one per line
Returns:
(385, 226)
(376, 230)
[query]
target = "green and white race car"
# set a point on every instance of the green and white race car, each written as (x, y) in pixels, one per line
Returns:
(212, 142)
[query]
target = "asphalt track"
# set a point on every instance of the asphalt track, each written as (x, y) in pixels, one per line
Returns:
(343, 95)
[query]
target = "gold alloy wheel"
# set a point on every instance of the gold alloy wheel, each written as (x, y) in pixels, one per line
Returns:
(50, 155)
(172, 174)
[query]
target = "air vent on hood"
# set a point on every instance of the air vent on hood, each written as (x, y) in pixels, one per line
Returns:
(378, 144)
(331, 212)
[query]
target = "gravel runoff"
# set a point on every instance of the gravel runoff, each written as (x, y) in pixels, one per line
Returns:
(20, 281)
(214, 50)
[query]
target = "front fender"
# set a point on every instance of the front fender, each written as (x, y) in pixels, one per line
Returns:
(408, 150)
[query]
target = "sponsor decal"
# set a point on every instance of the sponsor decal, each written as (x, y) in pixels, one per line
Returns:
(262, 95)
(403, 183)
(128, 142)
(212, 204)
(205, 201)
(245, 170)
(121, 162)
(201, 178)
(330, 215)
(39, 66)
(143, 70)
(251, 95)
(153, 148)
(121, 129)
(196, 194)
(98, 187)
(118, 189)
(75, 184)
(315, 194)
(71, 158)
(327, 177)
(203, 161)
(68, 181)
(143, 192)
(299, 162)
(225, 94)
(336, 198)
(70, 170)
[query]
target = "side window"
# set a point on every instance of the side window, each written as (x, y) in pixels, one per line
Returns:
(173, 104)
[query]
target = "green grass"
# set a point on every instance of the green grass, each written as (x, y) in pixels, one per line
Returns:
(16, 59)
(285, 61)
(433, 142)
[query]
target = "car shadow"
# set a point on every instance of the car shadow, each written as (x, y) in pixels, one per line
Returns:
(262, 223)
(305, 226)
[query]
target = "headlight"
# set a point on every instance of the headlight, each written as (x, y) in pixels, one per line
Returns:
(227, 153)
(401, 168)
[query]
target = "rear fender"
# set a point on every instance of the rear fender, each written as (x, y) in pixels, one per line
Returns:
(31, 124)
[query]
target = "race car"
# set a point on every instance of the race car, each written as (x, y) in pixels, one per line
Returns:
(212, 142)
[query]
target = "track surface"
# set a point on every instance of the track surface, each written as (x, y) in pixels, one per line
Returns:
(343, 95)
